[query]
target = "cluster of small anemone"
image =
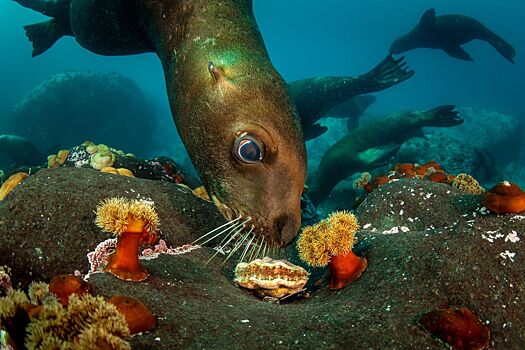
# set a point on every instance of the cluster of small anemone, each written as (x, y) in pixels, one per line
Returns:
(430, 171)
(100, 157)
(64, 315)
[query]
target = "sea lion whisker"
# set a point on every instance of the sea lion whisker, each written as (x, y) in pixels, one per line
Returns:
(246, 248)
(239, 243)
(215, 229)
(229, 230)
(220, 247)
(259, 250)
(252, 251)
(264, 250)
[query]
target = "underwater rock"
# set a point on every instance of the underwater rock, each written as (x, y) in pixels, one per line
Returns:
(455, 156)
(451, 254)
(427, 244)
(488, 130)
(101, 106)
(47, 222)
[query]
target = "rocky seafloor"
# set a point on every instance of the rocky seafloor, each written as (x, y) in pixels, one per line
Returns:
(428, 246)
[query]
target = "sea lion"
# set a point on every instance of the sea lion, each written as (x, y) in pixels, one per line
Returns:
(448, 33)
(231, 107)
(315, 97)
(20, 151)
(371, 145)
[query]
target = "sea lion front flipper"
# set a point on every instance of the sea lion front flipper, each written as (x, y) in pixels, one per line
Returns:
(391, 71)
(442, 116)
(44, 34)
(458, 52)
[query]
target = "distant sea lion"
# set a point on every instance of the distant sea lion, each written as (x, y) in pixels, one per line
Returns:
(20, 151)
(316, 97)
(448, 33)
(231, 107)
(371, 145)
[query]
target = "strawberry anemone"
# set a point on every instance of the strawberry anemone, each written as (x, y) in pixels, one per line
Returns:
(133, 222)
(330, 242)
(63, 286)
(505, 198)
(138, 317)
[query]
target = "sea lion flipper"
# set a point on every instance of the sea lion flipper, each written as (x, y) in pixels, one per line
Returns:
(427, 21)
(458, 52)
(442, 116)
(391, 71)
(44, 34)
(502, 46)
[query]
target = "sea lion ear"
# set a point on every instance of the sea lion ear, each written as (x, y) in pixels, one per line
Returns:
(428, 20)
(216, 73)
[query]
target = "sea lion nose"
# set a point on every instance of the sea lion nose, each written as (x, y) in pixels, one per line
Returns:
(286, 228)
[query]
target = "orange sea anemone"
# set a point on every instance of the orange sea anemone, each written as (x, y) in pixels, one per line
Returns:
(505, 198)
(459, 327)
(11, 183)
(63, 286)
(137, 315)
(133, 222)
(330, 242)
(438, 177)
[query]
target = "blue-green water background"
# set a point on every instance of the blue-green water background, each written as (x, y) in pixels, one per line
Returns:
(311, 38)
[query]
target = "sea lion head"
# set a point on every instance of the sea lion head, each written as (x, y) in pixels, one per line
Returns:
(246, 143)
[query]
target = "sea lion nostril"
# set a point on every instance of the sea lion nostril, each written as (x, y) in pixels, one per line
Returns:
(285, 228)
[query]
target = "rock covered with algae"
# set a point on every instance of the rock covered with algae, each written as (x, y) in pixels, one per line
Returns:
(47, 222)
(428, 246)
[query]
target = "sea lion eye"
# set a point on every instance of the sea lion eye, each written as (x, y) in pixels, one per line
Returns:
(248, 149)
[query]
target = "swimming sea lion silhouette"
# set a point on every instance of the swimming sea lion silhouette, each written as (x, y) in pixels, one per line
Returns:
(20, 151)
(372, 145)
(449, 32)
(316, 97)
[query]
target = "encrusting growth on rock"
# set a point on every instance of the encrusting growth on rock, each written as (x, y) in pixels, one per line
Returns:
(330, 242)
(468, 184)
(11, 183)
(133, 222)
(87, 320)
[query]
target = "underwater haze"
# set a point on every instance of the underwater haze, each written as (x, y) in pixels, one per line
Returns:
(308, 38)
(372, 198)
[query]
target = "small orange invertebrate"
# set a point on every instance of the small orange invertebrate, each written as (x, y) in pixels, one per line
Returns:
(11, 183)
(133, 222)
(458, 327)
(505, 198)
(65, 285)
(137, 315)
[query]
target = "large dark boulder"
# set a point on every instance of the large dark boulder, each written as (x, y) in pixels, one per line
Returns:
(70, 108)
(47, 222)
(428, 246)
